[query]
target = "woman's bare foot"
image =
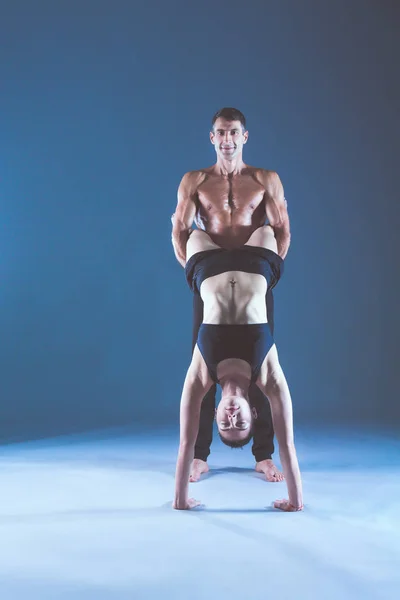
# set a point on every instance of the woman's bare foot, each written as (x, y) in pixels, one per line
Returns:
(286, 506)
(198, 468)
(270, 471)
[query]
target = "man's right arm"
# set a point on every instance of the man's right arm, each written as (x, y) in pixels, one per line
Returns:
(276, 211)
(185, 213)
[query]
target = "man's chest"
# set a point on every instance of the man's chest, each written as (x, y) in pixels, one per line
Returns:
(230, 193)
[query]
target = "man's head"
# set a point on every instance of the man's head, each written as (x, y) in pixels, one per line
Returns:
(228, 133)
(234, 419)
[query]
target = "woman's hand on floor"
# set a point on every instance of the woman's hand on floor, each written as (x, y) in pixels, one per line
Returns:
(190, 503)
(286, 506)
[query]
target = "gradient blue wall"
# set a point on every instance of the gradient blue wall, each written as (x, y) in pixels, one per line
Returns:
(104, 106)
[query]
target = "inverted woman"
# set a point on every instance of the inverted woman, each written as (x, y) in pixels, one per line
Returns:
(234, 348)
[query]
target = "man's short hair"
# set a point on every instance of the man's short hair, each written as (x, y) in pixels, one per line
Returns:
(237, 443)
(230, 114)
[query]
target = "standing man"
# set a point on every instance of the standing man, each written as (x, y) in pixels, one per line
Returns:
(230, 200)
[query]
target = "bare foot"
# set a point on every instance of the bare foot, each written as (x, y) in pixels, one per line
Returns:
(198, 468)
(270, 471)
(286, 506)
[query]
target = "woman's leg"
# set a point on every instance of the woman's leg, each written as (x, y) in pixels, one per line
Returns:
(265, 237)
(273, 384)
(199, 241)
(263, 436)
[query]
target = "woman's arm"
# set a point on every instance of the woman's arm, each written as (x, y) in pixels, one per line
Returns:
(197, 383)
(273, 384)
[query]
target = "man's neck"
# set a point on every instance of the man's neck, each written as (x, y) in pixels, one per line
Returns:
(229, 168)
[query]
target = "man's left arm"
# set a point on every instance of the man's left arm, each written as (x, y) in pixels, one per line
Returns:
(276, 211)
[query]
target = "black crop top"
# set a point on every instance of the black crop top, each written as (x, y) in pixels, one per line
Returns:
(248, 259)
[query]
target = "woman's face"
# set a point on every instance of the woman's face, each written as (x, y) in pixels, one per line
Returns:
(234, 418)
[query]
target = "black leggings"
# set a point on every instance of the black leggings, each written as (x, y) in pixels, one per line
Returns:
(263, 432)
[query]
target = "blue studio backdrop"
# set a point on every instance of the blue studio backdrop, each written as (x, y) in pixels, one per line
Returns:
(104, 106)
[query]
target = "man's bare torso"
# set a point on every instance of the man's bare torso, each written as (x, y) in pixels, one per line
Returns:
(230, 207)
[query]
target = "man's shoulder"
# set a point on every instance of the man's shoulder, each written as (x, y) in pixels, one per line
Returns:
(192, 179)
(198, 173)
(264, 176)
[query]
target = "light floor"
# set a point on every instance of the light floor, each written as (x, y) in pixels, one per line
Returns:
(89, 517)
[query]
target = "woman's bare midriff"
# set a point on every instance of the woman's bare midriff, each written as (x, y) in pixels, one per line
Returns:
(234, 298)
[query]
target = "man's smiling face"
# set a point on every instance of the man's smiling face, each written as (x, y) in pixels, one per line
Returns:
(228, 138)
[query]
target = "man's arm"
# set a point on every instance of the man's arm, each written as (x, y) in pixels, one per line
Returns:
(185, 213)
(276, 211)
